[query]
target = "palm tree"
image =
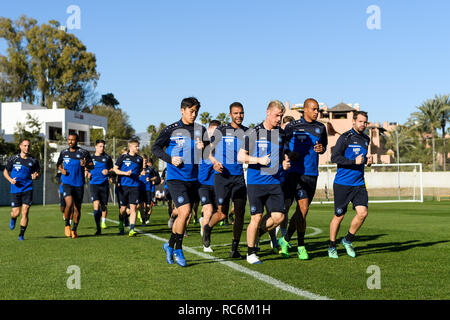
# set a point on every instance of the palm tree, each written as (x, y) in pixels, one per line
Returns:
(205, 118)
(444, 103)
(400, 140)
(429, 118)
(154, 132)
(223, 117)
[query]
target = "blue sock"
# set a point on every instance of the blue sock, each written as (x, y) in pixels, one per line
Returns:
(131, 226)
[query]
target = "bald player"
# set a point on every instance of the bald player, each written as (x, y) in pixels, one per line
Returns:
(306, 139)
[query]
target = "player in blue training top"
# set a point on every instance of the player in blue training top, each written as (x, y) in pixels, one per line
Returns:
(147, 180)
(72, 163)
(350, 155)
(155, 179)
(129, 167)
(306, 139)
(229, 181)
(184, 142)
(206, 191)
(99, 184)
(168, 197)
(264, 153)
(20, 171)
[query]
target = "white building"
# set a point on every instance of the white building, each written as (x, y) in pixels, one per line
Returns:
(55, 121)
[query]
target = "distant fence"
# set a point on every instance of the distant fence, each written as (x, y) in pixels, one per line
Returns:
(434, 184)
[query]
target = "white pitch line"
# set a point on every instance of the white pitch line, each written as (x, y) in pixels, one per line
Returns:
(255, 274)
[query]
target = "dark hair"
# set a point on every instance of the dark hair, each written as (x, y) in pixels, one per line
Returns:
(25, 139)
(133, 141)
(236, 105)
(73, 134)
(144, 156)
(357, 113)
(100, 141)
(287, 119)
(190, 102)
(215, 123)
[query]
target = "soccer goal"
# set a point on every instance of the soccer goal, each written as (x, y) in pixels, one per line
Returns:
(385, 183)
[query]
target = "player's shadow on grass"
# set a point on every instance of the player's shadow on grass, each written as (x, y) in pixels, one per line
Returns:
(394, 246)
(317, 246)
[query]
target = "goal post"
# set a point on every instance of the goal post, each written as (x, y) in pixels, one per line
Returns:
(385, 183)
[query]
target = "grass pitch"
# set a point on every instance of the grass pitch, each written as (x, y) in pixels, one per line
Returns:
(408, 242)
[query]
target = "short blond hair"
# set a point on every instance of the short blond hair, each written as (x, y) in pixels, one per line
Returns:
(276, 104)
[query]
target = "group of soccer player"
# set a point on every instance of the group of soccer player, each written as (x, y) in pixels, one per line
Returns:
(207, 166)
(282, 155)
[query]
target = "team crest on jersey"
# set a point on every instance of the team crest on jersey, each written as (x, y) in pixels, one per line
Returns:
(317, 130)
(78, 156)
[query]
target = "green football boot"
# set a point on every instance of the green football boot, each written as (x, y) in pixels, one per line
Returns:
(332, 253)
(302, 253)
(284, 245)
(349, 248)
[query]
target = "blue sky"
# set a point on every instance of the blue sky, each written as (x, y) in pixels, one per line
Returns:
(151, 54)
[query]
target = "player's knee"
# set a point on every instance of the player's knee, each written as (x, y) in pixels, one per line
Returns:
(277, 217)
(256, 218)
(340, 212)
(362, 213)
(15, 212)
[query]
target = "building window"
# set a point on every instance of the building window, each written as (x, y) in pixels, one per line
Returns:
(82, 136)
(54, 133)
(339, 115)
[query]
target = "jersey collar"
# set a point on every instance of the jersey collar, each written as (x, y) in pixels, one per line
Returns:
(353, 130)
(304, 121)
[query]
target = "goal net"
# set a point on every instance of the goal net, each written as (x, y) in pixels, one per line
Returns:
(385, 183)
